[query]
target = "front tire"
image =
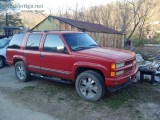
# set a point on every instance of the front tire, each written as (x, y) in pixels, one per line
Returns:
(21, 72)
(90, 85)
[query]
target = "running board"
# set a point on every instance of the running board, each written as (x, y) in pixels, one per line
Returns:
(59, 80)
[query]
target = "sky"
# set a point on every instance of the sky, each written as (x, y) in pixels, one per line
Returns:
(61, 4)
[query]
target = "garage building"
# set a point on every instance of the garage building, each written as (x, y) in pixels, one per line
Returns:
(105, 36)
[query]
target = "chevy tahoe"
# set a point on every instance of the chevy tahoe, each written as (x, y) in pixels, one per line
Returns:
(72, 56)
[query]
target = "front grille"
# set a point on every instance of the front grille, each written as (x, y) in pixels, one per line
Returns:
(129, 62)
(128, 69)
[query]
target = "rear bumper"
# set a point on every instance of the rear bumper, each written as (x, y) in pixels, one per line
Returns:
(121, 80)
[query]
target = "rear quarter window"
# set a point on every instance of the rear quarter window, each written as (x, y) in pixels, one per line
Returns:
(16, 41)
(33, 42)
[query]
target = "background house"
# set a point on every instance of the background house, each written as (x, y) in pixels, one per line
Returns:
(105, 36)
(9, 31)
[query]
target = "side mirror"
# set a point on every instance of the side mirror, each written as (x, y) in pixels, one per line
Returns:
(60, 48)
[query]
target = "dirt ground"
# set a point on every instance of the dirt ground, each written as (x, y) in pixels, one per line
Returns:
(40, 99)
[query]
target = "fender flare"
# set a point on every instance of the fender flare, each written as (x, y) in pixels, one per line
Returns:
(19, 58)
(89, 65)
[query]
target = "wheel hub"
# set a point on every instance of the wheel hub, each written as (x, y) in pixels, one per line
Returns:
(20, 72)
(88, 87)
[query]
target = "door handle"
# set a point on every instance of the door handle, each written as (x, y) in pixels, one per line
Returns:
(42, 56)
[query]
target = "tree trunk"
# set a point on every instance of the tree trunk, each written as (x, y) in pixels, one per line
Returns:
(141, 29)
(135, 26)
(7, 21)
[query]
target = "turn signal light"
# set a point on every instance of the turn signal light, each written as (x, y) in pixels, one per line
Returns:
(113, 66)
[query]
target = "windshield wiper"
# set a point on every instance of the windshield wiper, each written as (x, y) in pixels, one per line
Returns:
(94, 45)
(80, 48)
(86, 47)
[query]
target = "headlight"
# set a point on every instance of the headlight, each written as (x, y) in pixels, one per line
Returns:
(118, 65)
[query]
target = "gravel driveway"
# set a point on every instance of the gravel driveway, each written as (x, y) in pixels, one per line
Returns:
(10, 108)
(40, 99)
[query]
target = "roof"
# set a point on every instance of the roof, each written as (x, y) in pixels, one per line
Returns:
(85, 26)
(55, 31)
(10, 27)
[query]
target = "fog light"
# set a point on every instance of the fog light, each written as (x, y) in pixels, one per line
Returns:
(119, 73)
(113, 74)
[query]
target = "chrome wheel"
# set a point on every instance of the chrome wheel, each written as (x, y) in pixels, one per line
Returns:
(88, 87)
(20, 72)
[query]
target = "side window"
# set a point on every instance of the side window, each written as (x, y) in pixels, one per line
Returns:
(52, 42)
(33, 42)
(16, 41)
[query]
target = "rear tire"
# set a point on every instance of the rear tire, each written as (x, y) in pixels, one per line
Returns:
(2, 62)
(21, 72)
(90, 85)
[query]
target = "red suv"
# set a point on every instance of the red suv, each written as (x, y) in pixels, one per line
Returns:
(72, 56)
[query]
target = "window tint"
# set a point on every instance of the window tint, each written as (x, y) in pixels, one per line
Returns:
(16, 41)
(80, 41)
(52, 42)
(33, 42)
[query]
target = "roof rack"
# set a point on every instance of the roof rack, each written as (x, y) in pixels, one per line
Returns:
(35, 31)
(47, 30)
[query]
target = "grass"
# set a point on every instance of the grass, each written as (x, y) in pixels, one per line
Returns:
(114, 101)
(28, 88)
(127, 97)
(157, 38)
(139, 43)
(127, 94)
(67, 93)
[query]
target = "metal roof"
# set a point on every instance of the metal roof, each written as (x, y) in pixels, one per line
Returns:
(84, 26)
(55, 31)
(9, 27)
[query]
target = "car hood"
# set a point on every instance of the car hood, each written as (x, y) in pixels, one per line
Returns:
(113, 54)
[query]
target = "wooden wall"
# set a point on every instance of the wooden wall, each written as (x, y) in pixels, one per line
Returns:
(103, 39)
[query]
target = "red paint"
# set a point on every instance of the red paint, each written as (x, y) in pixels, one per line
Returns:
(65, 65)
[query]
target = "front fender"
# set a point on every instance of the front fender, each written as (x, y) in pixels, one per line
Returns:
(89, 65)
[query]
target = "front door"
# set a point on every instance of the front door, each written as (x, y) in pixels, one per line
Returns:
(54, 62)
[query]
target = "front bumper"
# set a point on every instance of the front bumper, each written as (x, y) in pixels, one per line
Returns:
(121, 80)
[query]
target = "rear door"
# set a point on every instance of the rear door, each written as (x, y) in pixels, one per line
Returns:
(54, 62)
(32, 53)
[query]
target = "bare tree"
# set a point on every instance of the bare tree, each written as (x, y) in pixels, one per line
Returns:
(123, 13)
(135, 6)
(127, 16)
(146, 12)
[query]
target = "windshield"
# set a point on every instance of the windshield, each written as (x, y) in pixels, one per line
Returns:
(80, 41)
(3, 42)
